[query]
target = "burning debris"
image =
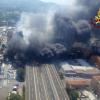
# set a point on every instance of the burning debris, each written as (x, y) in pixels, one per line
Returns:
(52, 50)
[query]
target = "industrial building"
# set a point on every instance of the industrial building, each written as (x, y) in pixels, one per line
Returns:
(78, 73)
(7, 74)
(83, 62)
(77, 83)
(95, 85)
(86, 95)
(96, 60)
(82, 76)
(79, 70)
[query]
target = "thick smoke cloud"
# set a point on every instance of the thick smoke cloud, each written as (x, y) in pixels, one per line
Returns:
(36, 26)
(69, 31)
(83, 30)
(45, 35)
(89, 11)
(65, 30)
(35, 37)
(52, 50)
(51, 34)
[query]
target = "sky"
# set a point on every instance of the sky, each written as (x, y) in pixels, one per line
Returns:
(62, 2)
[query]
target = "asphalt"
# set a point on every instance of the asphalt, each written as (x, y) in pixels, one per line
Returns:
(43, 83)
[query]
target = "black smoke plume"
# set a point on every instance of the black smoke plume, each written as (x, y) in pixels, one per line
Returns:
(43, 36)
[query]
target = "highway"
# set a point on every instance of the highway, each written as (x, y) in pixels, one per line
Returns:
(43, 83)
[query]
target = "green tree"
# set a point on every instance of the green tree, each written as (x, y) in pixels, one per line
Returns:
(14, 97)
(74, 95)
(21, 74)
(61, 76)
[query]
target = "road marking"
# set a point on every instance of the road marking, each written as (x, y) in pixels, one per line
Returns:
(49, 87)
(26, 86)
(44, 88)
(35, 82)
(61, 84)
(52, 84)
(38, 85)
(28, 82)
(58, 80)
(36, 89)
(32, 93)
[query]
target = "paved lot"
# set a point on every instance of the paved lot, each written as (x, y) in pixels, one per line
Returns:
(3, 93)
(4, 90)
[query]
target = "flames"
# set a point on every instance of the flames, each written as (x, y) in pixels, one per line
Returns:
(97, 18)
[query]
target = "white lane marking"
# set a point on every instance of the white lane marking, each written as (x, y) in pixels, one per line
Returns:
(32, 94)
(31, 85)
(44, 87)
(26, 85)
(58, 80)
(52, 84)
(38, 85)
(35, 82)
(28, 81)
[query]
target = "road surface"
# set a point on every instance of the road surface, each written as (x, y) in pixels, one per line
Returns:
(43, 83)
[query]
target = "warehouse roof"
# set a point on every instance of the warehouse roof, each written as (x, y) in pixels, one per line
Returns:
(78, 81)
(96, 77)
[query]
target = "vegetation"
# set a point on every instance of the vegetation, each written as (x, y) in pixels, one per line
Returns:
(73, 95)
(14, 97)
(61, 76)
(21, 74)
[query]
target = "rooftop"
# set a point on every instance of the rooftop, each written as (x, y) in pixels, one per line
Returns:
(77, 81)
(97, 77)
(80, 69)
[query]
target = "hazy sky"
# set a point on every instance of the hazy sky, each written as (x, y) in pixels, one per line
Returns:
(62, 2)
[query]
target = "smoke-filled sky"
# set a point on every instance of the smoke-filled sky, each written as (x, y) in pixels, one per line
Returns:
(61, 2)
(53, 32)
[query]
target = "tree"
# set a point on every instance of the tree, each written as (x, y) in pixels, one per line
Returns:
(74, 95)
(14, 97)
(21, 74)
(61, 76)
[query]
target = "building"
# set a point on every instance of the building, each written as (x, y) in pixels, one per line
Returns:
(83, 62)
(79, 70)
(96, 60)
(95, 85)
(11, 74)
(87, 95)
(78, 83)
